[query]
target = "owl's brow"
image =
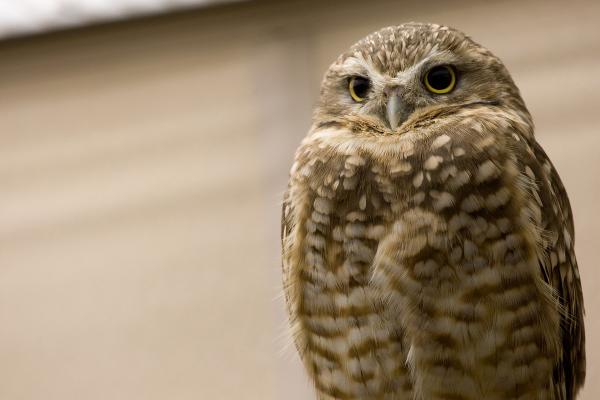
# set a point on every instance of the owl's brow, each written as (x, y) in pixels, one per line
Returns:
(444, 56)
(432, 57)
(357, 65)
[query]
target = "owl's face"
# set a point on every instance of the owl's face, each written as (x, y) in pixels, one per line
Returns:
(399, 75)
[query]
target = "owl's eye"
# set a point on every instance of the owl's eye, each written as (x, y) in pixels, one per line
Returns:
(440, 79)
(359, 88)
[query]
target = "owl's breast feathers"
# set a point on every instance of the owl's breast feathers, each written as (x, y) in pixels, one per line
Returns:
(439, 262)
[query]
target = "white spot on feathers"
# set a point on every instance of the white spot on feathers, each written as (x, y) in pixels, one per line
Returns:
(440, 141)
(432, 162)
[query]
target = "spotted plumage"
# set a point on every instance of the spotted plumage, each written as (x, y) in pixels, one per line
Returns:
(428, 243)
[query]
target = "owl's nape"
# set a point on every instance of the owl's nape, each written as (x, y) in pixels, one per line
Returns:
(427, 239)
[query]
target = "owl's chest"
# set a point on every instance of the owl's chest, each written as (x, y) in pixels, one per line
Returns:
(350, 344)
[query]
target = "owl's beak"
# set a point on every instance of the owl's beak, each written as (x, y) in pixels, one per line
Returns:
(396, 111)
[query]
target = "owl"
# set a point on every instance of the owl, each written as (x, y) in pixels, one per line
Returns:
(427, 239)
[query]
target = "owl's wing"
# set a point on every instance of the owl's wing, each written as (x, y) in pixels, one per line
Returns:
(289, 288)
(559, 269)
(285, 232)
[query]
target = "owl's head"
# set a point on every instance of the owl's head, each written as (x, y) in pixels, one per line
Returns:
(399, 76)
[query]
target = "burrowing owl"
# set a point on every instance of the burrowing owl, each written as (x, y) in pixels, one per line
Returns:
(427, 238)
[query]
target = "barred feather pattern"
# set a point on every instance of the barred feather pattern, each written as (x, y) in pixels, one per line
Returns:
(436, 262)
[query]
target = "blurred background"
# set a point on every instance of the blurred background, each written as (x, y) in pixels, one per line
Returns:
(144, 149)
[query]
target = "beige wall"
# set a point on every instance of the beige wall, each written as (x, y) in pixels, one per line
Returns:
(141, 170)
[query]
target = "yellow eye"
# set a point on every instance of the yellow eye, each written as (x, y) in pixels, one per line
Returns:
(440, 79)
(358, 88)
